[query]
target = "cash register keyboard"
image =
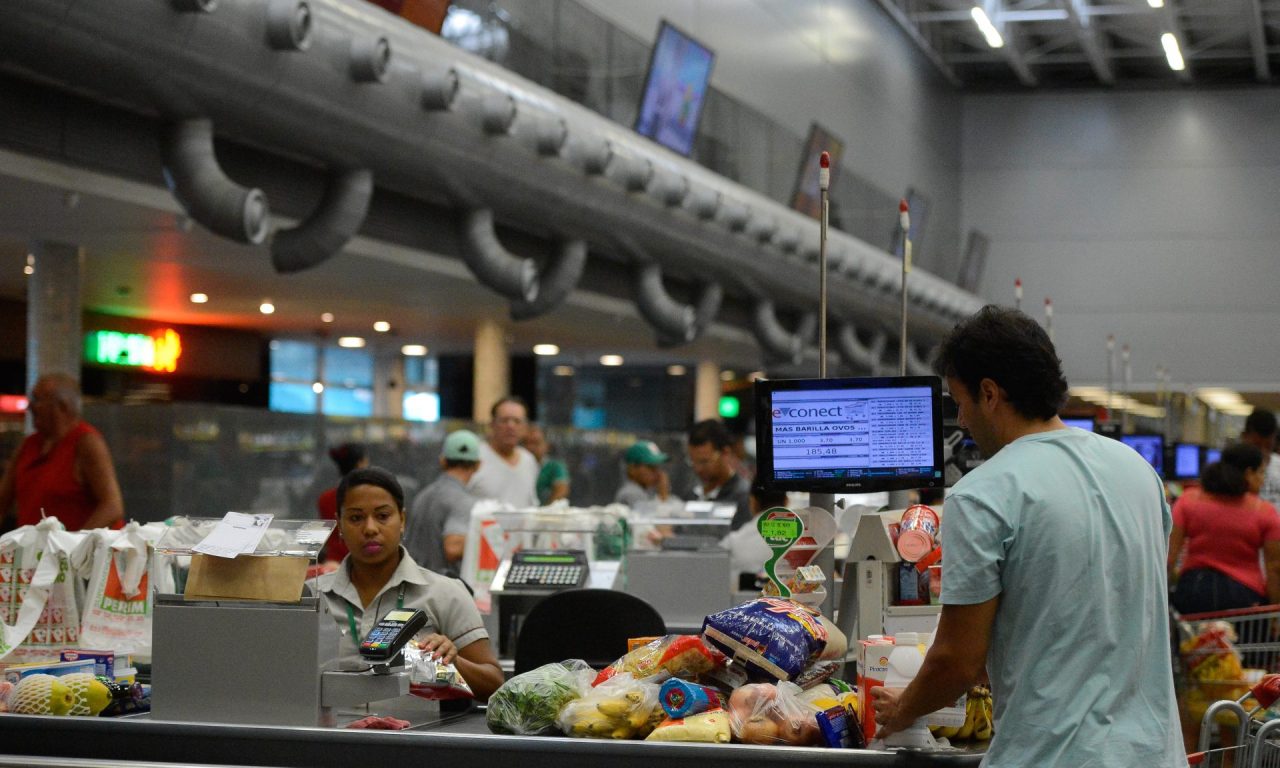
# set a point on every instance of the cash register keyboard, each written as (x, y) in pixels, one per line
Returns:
(532, 575)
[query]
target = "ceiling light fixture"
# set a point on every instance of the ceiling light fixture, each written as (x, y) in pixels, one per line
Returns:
(988, 29)
(413, 350)
(727, 375)
(676, 370)
(326, 317)
(266, 307)
(1172, 52)
(28, 270)
(199, 298)
(351, 342)
(563, 370)
(382, 326)
(317, 387)
(1156, 3)
(611, 360)
(546, 349)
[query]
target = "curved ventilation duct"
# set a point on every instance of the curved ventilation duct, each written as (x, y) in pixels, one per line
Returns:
(705, 311)
(512, 276)
(917, 366)
(675, 323)
(329, 227)
(670, 187)
(866, 357)
(779, 343)
(705, 203)
(289, 25)
(556, 282)
(439, 90)
(192, 172)
(370, 59)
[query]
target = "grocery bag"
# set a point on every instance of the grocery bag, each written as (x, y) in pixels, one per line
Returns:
(118, 604)
(39, 594)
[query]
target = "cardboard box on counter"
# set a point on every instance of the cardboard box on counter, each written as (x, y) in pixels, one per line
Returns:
(247, 577)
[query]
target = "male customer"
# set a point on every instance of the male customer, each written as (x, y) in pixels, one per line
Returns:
(646, 480)
(709, 447)
(63, 469)
(508, 472)
(1055, 578)
(1260, 432)
(436, 531)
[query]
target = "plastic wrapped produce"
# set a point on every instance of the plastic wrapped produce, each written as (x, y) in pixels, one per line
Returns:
(527, 704)
(763, 713)
(684, 656)
(619, 708)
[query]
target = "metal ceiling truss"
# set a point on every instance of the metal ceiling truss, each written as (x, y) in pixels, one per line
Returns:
(1104, 42)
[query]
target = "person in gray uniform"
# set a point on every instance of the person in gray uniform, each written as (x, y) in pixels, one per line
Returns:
(441, 512)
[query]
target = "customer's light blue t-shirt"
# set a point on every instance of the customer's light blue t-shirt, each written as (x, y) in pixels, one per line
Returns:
(1070, 529)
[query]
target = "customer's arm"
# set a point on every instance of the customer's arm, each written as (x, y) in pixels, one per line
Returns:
(100, 476)
(955, 662)
(1177, 539)
(1271, 558)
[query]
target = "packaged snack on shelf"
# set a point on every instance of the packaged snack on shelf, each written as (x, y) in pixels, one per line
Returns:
(618, 708)
(773, 638)
(528, 704)
(764, 713)
(670, 656)
(104, 661)
(680, 698)
(431, 678)
(15, 672)
(711, 727)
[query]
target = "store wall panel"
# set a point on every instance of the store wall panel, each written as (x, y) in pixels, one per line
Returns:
(1146, 215)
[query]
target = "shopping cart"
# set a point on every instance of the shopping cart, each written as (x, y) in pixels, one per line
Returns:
(1257, 740)
(1218, 656)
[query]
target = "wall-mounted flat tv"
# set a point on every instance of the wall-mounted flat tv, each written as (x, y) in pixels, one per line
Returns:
(849, 435)
(1149, 447)
(1186, 460)
(805, 195)
(675, 89)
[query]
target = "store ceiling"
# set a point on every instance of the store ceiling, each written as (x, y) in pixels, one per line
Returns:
(1084, 43)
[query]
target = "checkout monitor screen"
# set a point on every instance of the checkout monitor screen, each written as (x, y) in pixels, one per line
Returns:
(1149, 447)
(1186, 460)
(849, 435)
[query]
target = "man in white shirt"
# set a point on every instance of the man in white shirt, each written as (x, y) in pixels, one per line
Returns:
(1260, 431)
(508, 472)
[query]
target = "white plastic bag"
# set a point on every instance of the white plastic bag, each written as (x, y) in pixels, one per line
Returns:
(118, 604)
(39, 593)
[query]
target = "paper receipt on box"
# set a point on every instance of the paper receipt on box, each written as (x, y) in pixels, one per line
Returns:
(237, 533)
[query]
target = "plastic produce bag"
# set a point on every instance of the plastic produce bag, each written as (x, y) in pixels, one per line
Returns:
(763, 713)
(527, 704)
(684, 656)
(619, 708)
(430, 678)
(39, 594)
(773, 638)
(711, 727)
(118, 609)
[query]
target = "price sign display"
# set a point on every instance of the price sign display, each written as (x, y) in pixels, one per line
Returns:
(780, 528)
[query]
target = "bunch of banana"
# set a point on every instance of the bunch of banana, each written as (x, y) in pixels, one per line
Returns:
(978, 721)
(616, 718)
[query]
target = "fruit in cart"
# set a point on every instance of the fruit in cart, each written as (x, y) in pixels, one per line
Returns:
(41, 695)
(91, 694)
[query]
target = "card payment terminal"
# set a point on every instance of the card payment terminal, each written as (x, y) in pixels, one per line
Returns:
(389, 636)
(547, 569)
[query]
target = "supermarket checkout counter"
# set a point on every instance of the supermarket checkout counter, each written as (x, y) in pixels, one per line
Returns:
(460, 742)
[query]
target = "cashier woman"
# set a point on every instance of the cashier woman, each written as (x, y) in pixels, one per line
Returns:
(378, 575)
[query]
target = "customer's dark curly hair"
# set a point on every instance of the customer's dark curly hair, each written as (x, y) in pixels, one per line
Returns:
(1012, 350)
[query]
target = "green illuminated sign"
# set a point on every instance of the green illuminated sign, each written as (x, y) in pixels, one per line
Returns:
(158, 352)
(730, 407)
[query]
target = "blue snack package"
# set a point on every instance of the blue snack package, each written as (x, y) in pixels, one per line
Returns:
(772, 638)
(833, 724)
(680, 698)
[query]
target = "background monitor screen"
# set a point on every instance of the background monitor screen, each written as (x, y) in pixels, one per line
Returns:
(805, 196)
(1085, 424)
(1186, 460)
(1212, 454)
(849, 435)
(1149, 447)
(674, 89)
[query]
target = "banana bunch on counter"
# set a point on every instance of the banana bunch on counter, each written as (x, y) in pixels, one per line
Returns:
(978, 725)
(625, 717)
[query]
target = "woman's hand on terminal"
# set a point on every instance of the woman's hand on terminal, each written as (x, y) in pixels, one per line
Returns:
(441, 646)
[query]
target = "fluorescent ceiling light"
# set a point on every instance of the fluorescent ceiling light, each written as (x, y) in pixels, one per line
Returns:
(988, 29)
(382, 326)
(1219, 397)
(1239, 409)
(1172, 53)
(326, 317)
(546, 349)
(413, 350)
(1156, 3)
(350, 342)
(611, 360)
(563, 370)
(675, 370)
(1086, 392)
(199, 298)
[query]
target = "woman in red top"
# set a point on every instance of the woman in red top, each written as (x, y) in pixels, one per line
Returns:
(1224, 526)
(347, 456)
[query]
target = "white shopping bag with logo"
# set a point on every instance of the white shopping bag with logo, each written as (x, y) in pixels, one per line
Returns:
(39, 593)
(118, 604)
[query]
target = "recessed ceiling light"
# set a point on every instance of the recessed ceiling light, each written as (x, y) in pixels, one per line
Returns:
(326, 317)
(675, 370)
(317, 387)
(266, 307)
(563, 370)
(611, 360)
(199, 298)
(382, 326)
(351, 342)
(28, 270)
(727, 375)
(546, 349)
(413, 350)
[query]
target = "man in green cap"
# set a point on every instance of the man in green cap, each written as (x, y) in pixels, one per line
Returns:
(436, 532)
(646, 479)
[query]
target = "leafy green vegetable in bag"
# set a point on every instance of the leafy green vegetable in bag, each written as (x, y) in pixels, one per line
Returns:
(527, 704)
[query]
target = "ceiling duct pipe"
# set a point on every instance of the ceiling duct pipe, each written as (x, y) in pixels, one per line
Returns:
(787, 240)
(856, 354)
(370, 59)
(289, 25)
(329, 227)
(550, 136)
(918, 366)
(736, 215)
(704, 203)
(498, 113)
(192, 173)
(670, 187)
(777, 342)
(705, 311)
(593, 153)
(439, 89)
(512, 276)
(633, 173)
(556, 282)
(762, 229)
(675, 323)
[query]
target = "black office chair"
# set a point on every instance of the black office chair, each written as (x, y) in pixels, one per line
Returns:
(589, 624)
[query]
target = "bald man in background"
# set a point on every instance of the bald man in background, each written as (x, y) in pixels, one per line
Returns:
(63, 468)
